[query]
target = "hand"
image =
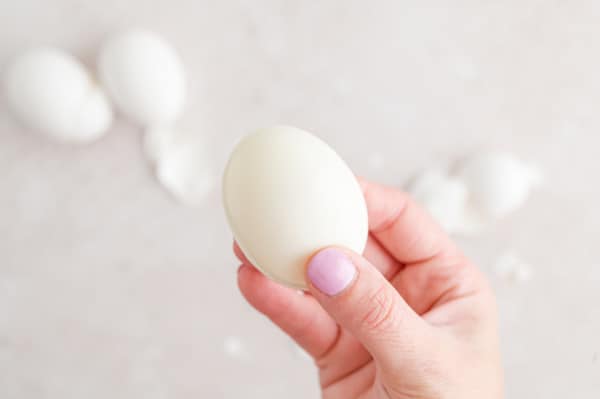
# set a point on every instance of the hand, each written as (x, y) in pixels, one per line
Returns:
(413, 318)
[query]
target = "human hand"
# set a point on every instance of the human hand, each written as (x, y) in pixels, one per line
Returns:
(413, 318)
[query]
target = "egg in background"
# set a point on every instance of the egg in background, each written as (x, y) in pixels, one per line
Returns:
(50, 91)
(144, 77)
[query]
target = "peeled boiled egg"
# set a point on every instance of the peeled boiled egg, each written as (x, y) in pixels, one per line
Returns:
(50, 91)
(144, 76)
(286, 195)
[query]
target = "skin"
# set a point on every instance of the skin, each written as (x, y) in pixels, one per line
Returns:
(417, 321)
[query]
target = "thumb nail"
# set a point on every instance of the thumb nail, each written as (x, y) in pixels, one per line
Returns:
(331, 271)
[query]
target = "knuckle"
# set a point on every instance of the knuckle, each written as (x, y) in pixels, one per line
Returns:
(380, 312)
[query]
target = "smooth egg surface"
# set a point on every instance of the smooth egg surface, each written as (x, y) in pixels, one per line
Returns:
(498, 183)
(50, 91)
(286, 195)
(144, 77)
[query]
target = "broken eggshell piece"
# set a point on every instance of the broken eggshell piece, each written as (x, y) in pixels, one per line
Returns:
(181, 163)
(443, 196)
(486, 187)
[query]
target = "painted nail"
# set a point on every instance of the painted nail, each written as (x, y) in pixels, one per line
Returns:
(331, 271)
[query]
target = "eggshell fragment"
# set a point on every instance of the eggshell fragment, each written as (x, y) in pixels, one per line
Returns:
(181, 163)
(144, 76)
(512, 268)
(444, 197)
(286, 195)
(486, 187)
(50, 91)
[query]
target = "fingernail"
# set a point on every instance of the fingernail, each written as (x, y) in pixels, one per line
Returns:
(331, 271)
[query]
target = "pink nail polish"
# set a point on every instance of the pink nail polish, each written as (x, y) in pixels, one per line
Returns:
(331, 271)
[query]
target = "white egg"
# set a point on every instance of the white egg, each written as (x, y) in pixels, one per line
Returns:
(181, 163)
(50, 91)
(286, 195)
(144, 76)
(498, 183)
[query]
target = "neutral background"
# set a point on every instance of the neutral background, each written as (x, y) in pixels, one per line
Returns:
(111, 289)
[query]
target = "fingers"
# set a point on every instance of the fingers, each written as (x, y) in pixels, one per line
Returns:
(239, 254)
(363, 302)
(401, 226)
(343, 350)
(299, 315)
(374, 252)
(434, 270)
(431, 283)
(353, 385)
(378, 256)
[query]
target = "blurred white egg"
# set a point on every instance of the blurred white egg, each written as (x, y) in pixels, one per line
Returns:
(50, 91)
(286, 195)
(181, 163)
(144, 76)
(498, 183)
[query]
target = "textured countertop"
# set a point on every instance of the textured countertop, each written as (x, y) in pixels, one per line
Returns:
(111, 289)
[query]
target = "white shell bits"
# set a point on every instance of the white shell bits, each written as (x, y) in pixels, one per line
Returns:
(49, 91)
(181, 163)
(286, 195)
(443, 196)
(486, 187)
(144, 77)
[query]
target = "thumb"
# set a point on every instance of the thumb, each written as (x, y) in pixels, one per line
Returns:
(364, 303)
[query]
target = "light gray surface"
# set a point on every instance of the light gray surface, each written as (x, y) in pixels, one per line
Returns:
(109, 289)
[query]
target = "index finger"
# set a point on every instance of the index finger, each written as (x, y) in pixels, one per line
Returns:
(405, 229)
